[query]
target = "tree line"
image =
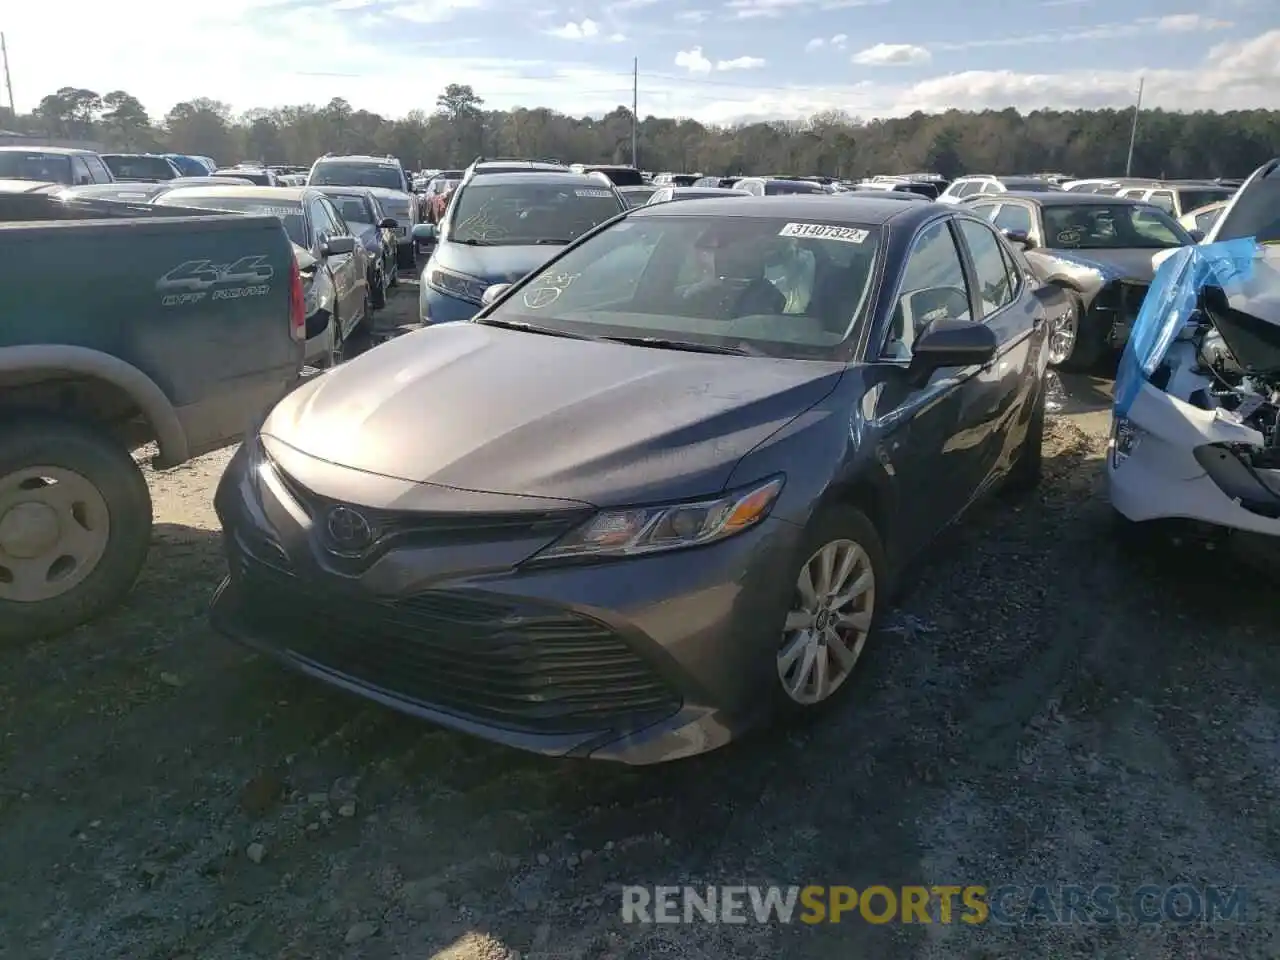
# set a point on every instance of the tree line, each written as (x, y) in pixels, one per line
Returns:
(459, 127)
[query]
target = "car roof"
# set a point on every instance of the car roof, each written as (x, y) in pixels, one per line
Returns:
(38, 148)
(706, 191)
(546, 178)
(1064, 198)
(359, 158)
(842, 209)
(246, 192)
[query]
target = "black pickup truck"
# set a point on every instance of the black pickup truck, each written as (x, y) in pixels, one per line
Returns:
(122, 325)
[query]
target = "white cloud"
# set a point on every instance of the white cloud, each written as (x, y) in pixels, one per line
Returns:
(892, 55)
(693, 61)
(740, 63)
(431, 11)
(1189, 23)
(576, 31)
(838, 42)
(693, 16)
(762, 9)
(617, 37)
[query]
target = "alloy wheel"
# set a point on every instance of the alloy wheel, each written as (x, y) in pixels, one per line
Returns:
(1063, 331)
(828, 623)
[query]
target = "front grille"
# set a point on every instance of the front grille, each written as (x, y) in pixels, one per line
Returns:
(412, 528)
(513, 665)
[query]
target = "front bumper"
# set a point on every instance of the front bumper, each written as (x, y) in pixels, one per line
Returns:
(1162, 478)
(640, 661)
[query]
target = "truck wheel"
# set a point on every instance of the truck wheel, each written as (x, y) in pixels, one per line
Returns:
(75, 525)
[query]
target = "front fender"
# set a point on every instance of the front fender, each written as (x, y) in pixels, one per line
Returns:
(54, 359)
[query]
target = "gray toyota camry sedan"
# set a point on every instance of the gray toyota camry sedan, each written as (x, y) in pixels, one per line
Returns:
(657, 491)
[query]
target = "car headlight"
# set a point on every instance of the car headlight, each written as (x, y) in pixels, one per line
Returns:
(1125, 437)
(631, 531)
(457, 285)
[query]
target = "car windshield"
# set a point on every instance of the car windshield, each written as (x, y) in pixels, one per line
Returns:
(259, 178)
(1031, 186)
(1111, 227)
(338, 174)
(289, 212)
(759, 285)
(526, 213)
(1255, 214)
(24, 165)
(779, 187)
(621, 176)
(353, 207)
(637, 196)
(1195, 199)
(125, 167)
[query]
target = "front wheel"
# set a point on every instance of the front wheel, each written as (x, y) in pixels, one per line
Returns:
(407, 255)
(1074, 342)
(75, 526)
(833, 608)
(378, 291)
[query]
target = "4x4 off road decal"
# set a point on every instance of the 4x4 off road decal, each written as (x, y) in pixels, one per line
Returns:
(197, 280)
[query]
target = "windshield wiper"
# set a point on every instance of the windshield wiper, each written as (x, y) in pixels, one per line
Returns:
(550, 242)
(662, 343)
(533, 328)
(473, 242)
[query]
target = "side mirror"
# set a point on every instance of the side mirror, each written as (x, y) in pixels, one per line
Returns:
(493, 293)
(425, 232)
(337, 246)
(1196, 235)
(1020, 237)
(387, 223)
(952, 343)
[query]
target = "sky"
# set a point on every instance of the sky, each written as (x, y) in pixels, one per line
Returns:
(718, 61)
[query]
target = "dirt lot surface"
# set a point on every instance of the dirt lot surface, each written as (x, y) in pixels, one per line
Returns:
(1044, 708)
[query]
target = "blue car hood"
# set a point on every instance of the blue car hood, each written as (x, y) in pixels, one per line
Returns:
(1172, 300)
(493, 264)
(1119, 264)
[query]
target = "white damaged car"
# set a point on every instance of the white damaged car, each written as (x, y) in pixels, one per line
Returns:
(1194, 429)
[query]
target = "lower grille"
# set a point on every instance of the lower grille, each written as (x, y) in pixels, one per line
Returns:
(516, 666)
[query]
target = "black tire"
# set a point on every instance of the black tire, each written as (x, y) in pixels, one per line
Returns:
(407, 255)
(832, 523)
(1091, 340)
(1027, 470)
(378, 292)
(89, 452)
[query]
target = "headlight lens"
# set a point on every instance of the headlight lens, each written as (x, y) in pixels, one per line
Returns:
(639, 530)
(1125, 437)
(456, 284)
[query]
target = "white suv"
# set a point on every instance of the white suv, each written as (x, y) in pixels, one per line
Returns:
(386, 179)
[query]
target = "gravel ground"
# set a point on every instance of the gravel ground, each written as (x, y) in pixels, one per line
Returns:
(1044, 708)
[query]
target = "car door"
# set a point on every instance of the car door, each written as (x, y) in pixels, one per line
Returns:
(348, 283)
(998, 395)
(920, 424)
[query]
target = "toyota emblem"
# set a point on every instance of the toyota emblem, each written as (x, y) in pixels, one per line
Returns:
(348, 529)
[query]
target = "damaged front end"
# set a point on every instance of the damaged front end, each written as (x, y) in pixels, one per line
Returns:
(1197, 400)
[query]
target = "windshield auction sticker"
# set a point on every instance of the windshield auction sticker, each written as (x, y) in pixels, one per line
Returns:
(824, 231)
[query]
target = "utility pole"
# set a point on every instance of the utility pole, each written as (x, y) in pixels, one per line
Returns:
(635, 105)
(8, 84)
(1133, 133)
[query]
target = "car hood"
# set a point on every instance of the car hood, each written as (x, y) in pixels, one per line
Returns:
(392, 198)
(1121, 264)
(497, 264)
(1249, 275)
(473, 407)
